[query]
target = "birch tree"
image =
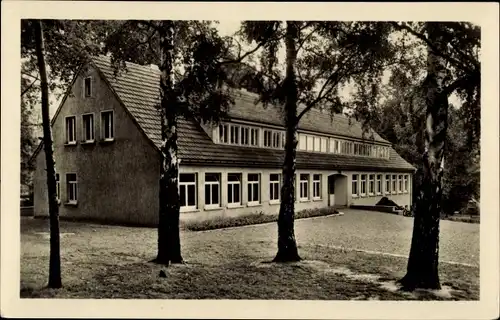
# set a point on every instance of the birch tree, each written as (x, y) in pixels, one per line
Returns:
(320, 57)
(193, 83)
(452, 67)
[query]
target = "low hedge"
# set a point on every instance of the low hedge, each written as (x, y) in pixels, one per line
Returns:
(250, 219)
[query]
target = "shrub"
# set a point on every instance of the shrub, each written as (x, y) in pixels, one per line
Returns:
(250, 219)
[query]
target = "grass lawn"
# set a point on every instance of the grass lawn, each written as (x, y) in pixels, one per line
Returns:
(112, 262)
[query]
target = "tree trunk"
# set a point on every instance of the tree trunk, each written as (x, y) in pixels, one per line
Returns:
(287, 246)
(422, 270)
(169, 245)
(55, 257)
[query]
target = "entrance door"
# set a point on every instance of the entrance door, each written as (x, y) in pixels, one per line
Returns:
(331, 190)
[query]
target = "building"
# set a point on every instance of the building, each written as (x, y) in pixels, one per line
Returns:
(106, 139)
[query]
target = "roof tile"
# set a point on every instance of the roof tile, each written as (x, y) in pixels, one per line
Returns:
(138, 89)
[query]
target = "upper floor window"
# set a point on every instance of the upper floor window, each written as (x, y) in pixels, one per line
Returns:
(302, 142)
(310, 143)
(273, 139)
(245, 133)
(254, 137)
(71, 130)
(187, 190)
(88, 127)
(234, 134)
(107, 124)
(223, 133)
(87, 86)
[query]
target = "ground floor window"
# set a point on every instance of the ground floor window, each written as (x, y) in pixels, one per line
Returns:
(234, 188)
(387, 183)
(406, 183)
(379, 184)
(187, 190)
(304, 186)
(274, 187)
(316, 186)
(72, 189)
(394, 178)
(354, 185)
(212, 189)
(363, 185)
(400, 182)
(253, 188)
(371, 184)
(58, 188)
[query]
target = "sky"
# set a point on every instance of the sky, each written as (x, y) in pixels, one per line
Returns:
(229, 28)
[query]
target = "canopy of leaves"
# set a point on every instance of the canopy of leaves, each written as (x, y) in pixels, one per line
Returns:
(200, 88)
(330, 54)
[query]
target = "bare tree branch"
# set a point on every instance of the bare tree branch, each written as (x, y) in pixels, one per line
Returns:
(432, 46)
(27, 89)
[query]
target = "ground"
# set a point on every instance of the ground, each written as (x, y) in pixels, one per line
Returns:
(355, 256)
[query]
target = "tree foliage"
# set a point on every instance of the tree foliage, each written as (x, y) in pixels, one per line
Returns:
(321, 58)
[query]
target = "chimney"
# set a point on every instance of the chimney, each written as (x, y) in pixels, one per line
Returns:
(154, 67)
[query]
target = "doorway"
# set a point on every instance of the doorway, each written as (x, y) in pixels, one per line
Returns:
(337, 190)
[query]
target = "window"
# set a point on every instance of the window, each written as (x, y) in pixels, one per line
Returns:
(223, 133)
(71, 130)
(245, 132)
(316, 186)
(371, 184)
(254, 137)
(187, 190)
(267, 138)
(88, 127)
(317, 144)
(107, 125)
(235, 137)
(394, 183)
(363, 185)
(310, 143)
(87, 84)
(71, 187)
(234, 188)
(277, 139)
(304, 186)
(274, 187)
(379, 184)
(302, 142)
(331, 145)
(387, 183)
(400, 182)
(356, 149)
(253, 188)
(406, 183)
(212, 189)
(354, 185)
(58, 188)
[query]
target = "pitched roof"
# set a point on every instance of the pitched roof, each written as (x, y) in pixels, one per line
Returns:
(138, 90)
